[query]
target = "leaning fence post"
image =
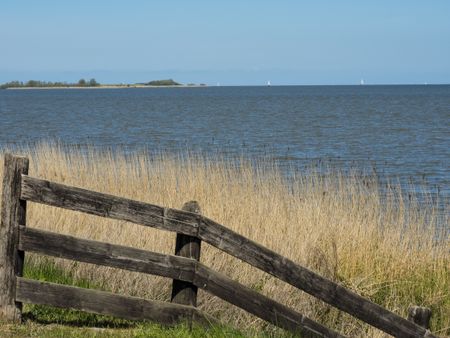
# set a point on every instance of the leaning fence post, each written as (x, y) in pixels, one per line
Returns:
(13, 214)
(420, 315)
(186, 246)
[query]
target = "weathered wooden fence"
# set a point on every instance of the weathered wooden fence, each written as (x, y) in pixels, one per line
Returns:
(184, 267)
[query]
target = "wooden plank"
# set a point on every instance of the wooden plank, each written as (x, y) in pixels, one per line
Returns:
(13, 212)
(184, 292)
(308, 281)
(117, 256)
(103, 303)
(258, 304)
(215, 234)
(69, 247)
(104, 205)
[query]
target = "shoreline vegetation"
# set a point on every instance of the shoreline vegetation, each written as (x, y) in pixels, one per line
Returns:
(93, 84)
(338, 225)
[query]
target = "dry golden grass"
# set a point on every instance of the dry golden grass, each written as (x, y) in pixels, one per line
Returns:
(337, 225)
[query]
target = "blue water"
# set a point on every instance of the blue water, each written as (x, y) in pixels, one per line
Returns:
(402, 131)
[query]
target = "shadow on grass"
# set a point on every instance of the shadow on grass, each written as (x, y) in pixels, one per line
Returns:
(42, 314)
(45, 269)
(73, 323)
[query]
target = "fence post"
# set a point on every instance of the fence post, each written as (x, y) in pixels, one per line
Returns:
(13, 213)
(420, 315)
(186, 246)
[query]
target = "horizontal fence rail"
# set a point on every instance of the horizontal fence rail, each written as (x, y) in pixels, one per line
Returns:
(60, 195)
(104, 303)
(117, 256)
(185, 269)
(104, 205)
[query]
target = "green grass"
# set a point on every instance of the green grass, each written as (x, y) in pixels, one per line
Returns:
(31, 329)
(48, 321)
(34, 328)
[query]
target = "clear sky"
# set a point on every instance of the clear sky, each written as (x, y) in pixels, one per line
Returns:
(230, 42)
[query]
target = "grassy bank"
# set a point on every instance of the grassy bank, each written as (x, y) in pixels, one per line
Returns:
(337, 225)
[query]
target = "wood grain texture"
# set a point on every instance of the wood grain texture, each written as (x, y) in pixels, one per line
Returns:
(186, 269)
(308, 281)
(117, 256)
(104, 205)
(258, 304)
(184, 292)
(13, 212)
(207, 230)
(104, 303)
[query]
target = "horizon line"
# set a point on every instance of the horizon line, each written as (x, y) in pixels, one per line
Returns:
(204, 84)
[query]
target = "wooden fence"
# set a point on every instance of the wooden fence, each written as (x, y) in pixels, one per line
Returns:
(184, 267)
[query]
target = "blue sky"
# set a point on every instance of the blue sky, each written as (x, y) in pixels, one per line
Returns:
(231, 42)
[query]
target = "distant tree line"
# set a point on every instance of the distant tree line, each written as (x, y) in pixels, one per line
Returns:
(90, 83)
(168, 82)
(37, 84)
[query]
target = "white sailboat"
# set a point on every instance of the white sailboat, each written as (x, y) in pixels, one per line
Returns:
(361, 82)
(268, 83)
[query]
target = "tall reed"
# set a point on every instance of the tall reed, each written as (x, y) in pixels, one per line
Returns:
(338, 225)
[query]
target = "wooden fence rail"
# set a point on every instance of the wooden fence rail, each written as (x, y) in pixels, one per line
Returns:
(104, 303)
(178, 268)
(184, 268)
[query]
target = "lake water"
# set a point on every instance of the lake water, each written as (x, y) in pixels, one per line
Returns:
(404, 131)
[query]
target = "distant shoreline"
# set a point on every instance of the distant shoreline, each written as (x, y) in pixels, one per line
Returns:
(108, 87)
(204, 86)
